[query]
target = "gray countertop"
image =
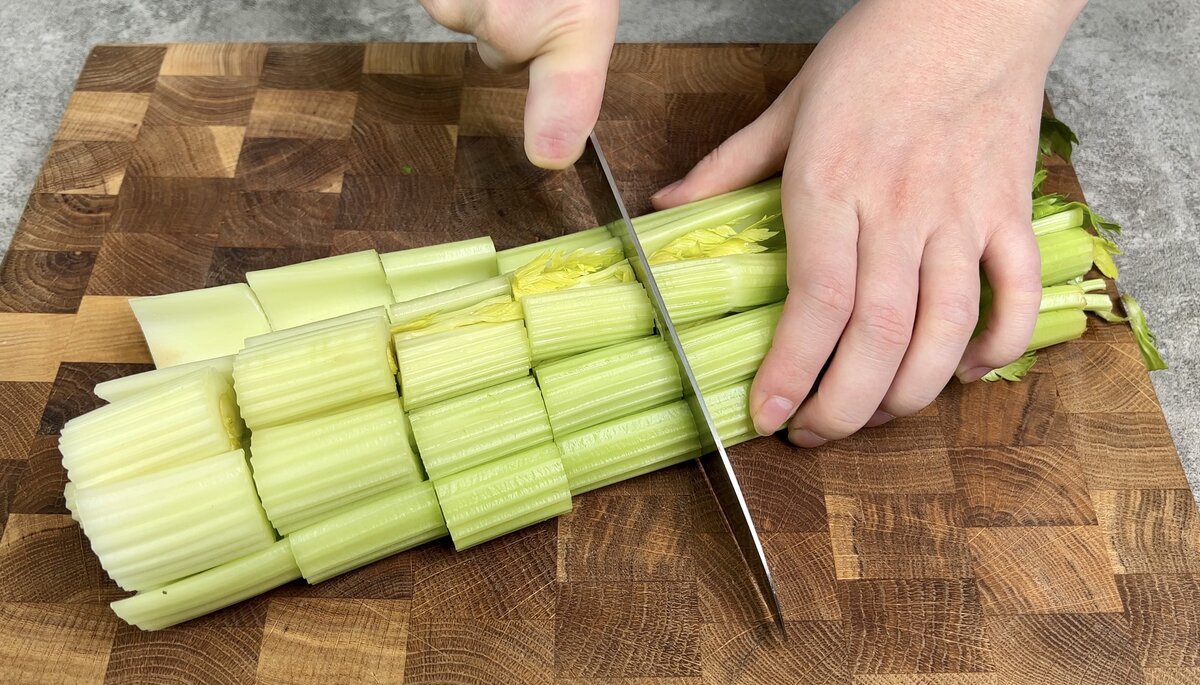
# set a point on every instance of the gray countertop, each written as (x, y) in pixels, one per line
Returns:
(1125, 80)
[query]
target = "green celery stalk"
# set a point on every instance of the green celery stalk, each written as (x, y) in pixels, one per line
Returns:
(450, 300)
(305, 329)
(1066, 254)
(1059, 221)
(648, 222)
(1146, 340)
(501, 496)
(516, 257)
(696, 289)
(161, 526)
(432, 269)
(607, 383)
(179, 421)
(439, 366)
(737, 213)
(128, 386)
(302, 293)
(314, 373)
(380, 527)
(69, 499)
(729, 408)
(629, 446)
(465, 431)
(1057, 326)
(557, 270)
(730, 349)
(502, 309)
(308, 468)
(210, 590)
(574, 320)
(621, 272)
(195, 325)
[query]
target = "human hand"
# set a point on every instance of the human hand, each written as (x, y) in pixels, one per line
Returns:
(907, 144)
(566, 45)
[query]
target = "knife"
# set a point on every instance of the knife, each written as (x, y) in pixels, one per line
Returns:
(601, 190)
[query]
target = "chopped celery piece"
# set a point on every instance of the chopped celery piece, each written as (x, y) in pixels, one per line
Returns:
(314, 373)
(297, 294)
(128, 386)
(307, 469)
(603, 384)
(696, 289)
(1057, 326)
(730, 349)
(198, 324)
(469, 430)
(449, 300)
(647, 222)
(719, 241)
(69, 499)
(629, 446)
(516, 257)
(729, 408)
(422, 271)
(178, 421)
(379, 527)
(1013, 371)
(496, 310)
(737, 213)
(210, 590)
(501, 496)
(574, 320)
(297, 331)
(1147, 342)
(1066, 217)
(556, 270)
(1066, 254)
(161, 526)
(443, 365)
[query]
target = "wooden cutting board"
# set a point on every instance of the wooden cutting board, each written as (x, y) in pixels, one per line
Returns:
(1039, 532)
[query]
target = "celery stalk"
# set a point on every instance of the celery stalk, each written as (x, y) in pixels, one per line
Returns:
(729, 408)
(556, 270)
(730, 349)
(320, 289)
(161, 526)
(200, 324)
(648, 222)
(516, 257)
(382, 526)
(432, 269)
(306, 469)
(469, 430)
(629, 446)
(1059, 221)
(501, 496)
(574, 320)
(459, 361)
(304, 329)
(450, 300)
(314, 373)
(621, 272)
(607, 383)
(1057, 326)
(210, 590)
(128, 386)
(69, 499)
(1066, 254)
(696, 289)
(502, 309)
(1146, 340)
(176, 422)
(736, 213)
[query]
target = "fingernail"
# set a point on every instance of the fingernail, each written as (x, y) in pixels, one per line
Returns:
(773, 414)
(666, 190)
(879, 418)
(802, 437)
(972, 375)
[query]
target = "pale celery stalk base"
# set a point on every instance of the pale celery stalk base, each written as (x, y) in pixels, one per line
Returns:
(195, 325)
(320, 289)
(431, 269)
(304, 329)
(128, 386)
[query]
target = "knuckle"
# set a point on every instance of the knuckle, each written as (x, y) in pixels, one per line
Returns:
(958, 312)
(830, 293)
(886, 328)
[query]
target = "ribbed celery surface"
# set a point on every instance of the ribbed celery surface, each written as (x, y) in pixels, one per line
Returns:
(730, 349)
(648, 222)
(162, 526)
(469, 430)
(431, 269)
(1058, 221)
(210, 590)
(301, 293)
(729, 408)
(297, 331)
(517, 257)
(439, 366)
(314, 373)
(630, 446)
(1066, 254)
(496, 498)
(449, 300)
(1057, 326)
(128, 386)
(179, 421)
(69, 499)
(697, 289)
(737, 212)
(574, 320)
(307, 469)
(200, 324)
(603, 384)
(381, 526)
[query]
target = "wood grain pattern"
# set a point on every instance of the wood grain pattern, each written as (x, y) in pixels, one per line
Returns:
(1010, 534)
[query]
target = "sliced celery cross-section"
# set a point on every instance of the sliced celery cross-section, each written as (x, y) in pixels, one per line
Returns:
(128, 386)
(439, 366)
(424, 270)
(574, 320)
(200, 324)
(302, 293)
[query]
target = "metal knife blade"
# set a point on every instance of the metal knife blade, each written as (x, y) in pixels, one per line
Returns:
(598, 184)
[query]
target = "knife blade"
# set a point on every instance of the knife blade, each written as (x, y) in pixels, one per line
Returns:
(605, 199)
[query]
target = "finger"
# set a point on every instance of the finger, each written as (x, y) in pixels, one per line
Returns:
(871, 349)
(818, 305)
(453, 14)
(748, 156)
(566, 87)
(1013, 267)
(947, 310)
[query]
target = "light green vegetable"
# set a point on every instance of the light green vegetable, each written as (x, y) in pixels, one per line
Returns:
(439, 366)
(436, 268)
(302, 293)
(574, 320)
(730, 349)
(195, 325)
(449, 300)
(127, 386)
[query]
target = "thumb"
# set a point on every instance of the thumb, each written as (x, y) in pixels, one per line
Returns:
(746, 157)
